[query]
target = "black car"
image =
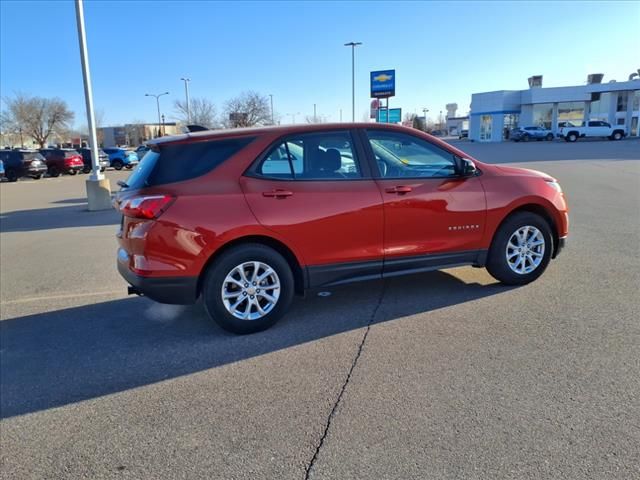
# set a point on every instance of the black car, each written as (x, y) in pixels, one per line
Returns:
(103, 159)
(23, 163)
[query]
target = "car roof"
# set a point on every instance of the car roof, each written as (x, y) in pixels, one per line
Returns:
(271, 129)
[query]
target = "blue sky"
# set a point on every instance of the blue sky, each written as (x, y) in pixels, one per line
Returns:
(442, 51)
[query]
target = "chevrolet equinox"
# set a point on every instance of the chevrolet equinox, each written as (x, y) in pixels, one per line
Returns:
(247, 218)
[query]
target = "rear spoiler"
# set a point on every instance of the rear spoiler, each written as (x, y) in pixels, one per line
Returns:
(195, 128)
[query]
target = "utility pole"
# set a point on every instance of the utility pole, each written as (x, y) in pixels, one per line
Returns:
(186, 94)
(98, 187)
(272, 118)
(157, 97)
(353, 46)
(315, 120)
(340, 115)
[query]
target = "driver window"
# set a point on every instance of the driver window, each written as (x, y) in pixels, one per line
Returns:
(317, 156)
(402, 155)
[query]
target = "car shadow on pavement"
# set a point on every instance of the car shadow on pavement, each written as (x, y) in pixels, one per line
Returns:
(57, 358)
(57, 217)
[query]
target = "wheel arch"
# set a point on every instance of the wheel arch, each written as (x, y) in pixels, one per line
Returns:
(299, 272)
(537, 209)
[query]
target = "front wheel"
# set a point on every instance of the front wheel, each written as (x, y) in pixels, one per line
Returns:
(617, 135)
(521, 249)
(525, 138)
(54, 172)
(72, 172)
(549, 137)
(117, 164)
(572, 137)
(248, 289)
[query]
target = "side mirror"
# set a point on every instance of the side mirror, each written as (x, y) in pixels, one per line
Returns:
(467, 168)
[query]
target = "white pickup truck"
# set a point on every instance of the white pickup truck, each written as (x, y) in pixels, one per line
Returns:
(594, 128)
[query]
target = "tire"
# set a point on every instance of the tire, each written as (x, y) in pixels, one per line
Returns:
(11, 174)
(54, 172)
(86, 170)
(128, 167)
(37, 177)
(103, 169)
(72, 172)
(525, 138)
(223, 267)
(501, 249)
(117, 164)
(549, 137)
(617, 135)
(572, 137)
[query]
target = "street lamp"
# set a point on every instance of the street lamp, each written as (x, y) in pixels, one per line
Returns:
(353, 46)
(425, 110)
(272, 120)
(98, 187)
(186, 93)
(157, 97)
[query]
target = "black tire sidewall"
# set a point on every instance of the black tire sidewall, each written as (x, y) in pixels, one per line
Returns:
(117, 164)
(11, 175)
(217, 272)
(496, 261)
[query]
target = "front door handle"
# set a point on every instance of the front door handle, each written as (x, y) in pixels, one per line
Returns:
(277, 193)
(399, 189)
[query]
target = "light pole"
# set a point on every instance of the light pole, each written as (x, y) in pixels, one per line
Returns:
(353, 46)
(340, 115)
(315, 120)
(98, 187)
(157, 97)
(425, 110)
(186, 94)
(163, 125)
(272, 119)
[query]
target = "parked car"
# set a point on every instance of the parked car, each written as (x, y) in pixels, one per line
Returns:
(121, 157)
(246, 218)
(62, 160)
(103, 159)
(463, 134)
(530, 133)
(1, 170)
(141, 150)
(594, 128)
(22, 163)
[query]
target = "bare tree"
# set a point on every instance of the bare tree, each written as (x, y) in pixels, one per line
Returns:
(37, 117)
(248, 109)
(203, 112)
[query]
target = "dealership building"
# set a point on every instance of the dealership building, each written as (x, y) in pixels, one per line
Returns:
(493, 114)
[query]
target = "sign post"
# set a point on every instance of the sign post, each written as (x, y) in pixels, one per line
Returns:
(383, 85)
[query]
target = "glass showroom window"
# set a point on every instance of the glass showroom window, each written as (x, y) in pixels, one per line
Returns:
(542, 114)
(636, 100)
(621, 106)
(599, 109)
(572, 112)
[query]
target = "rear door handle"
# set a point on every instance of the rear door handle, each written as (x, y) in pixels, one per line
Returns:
(277, 193)
(399, 189)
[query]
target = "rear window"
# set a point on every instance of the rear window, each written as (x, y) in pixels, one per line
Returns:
(32, 156)
(70, 153)
(176, 163)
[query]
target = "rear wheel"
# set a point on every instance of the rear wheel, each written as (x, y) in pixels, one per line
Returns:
(549, 137)
(572, 137)
(86, 170)
(521, 249)
(11, 175)
(248, 289)
(72, 172)
(617, 135)
(117, 164)
(54, 172)
(525, 138)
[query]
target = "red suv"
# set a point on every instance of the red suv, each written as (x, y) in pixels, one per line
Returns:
(247, 218)
(62, 160)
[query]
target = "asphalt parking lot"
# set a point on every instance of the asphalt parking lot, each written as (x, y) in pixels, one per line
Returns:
(440, 375)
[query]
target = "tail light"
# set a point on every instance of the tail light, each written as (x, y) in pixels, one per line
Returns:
(147, 207)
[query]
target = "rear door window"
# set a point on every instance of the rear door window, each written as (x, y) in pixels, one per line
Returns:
(312, 156)
(178, 162)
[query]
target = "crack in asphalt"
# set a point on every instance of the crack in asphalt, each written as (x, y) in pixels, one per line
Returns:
(327, 426)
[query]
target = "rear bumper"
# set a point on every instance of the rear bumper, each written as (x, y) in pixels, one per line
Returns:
(173, 290)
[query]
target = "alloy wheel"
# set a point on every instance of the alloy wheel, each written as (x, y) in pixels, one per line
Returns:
(251, 290)
(525, 250)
